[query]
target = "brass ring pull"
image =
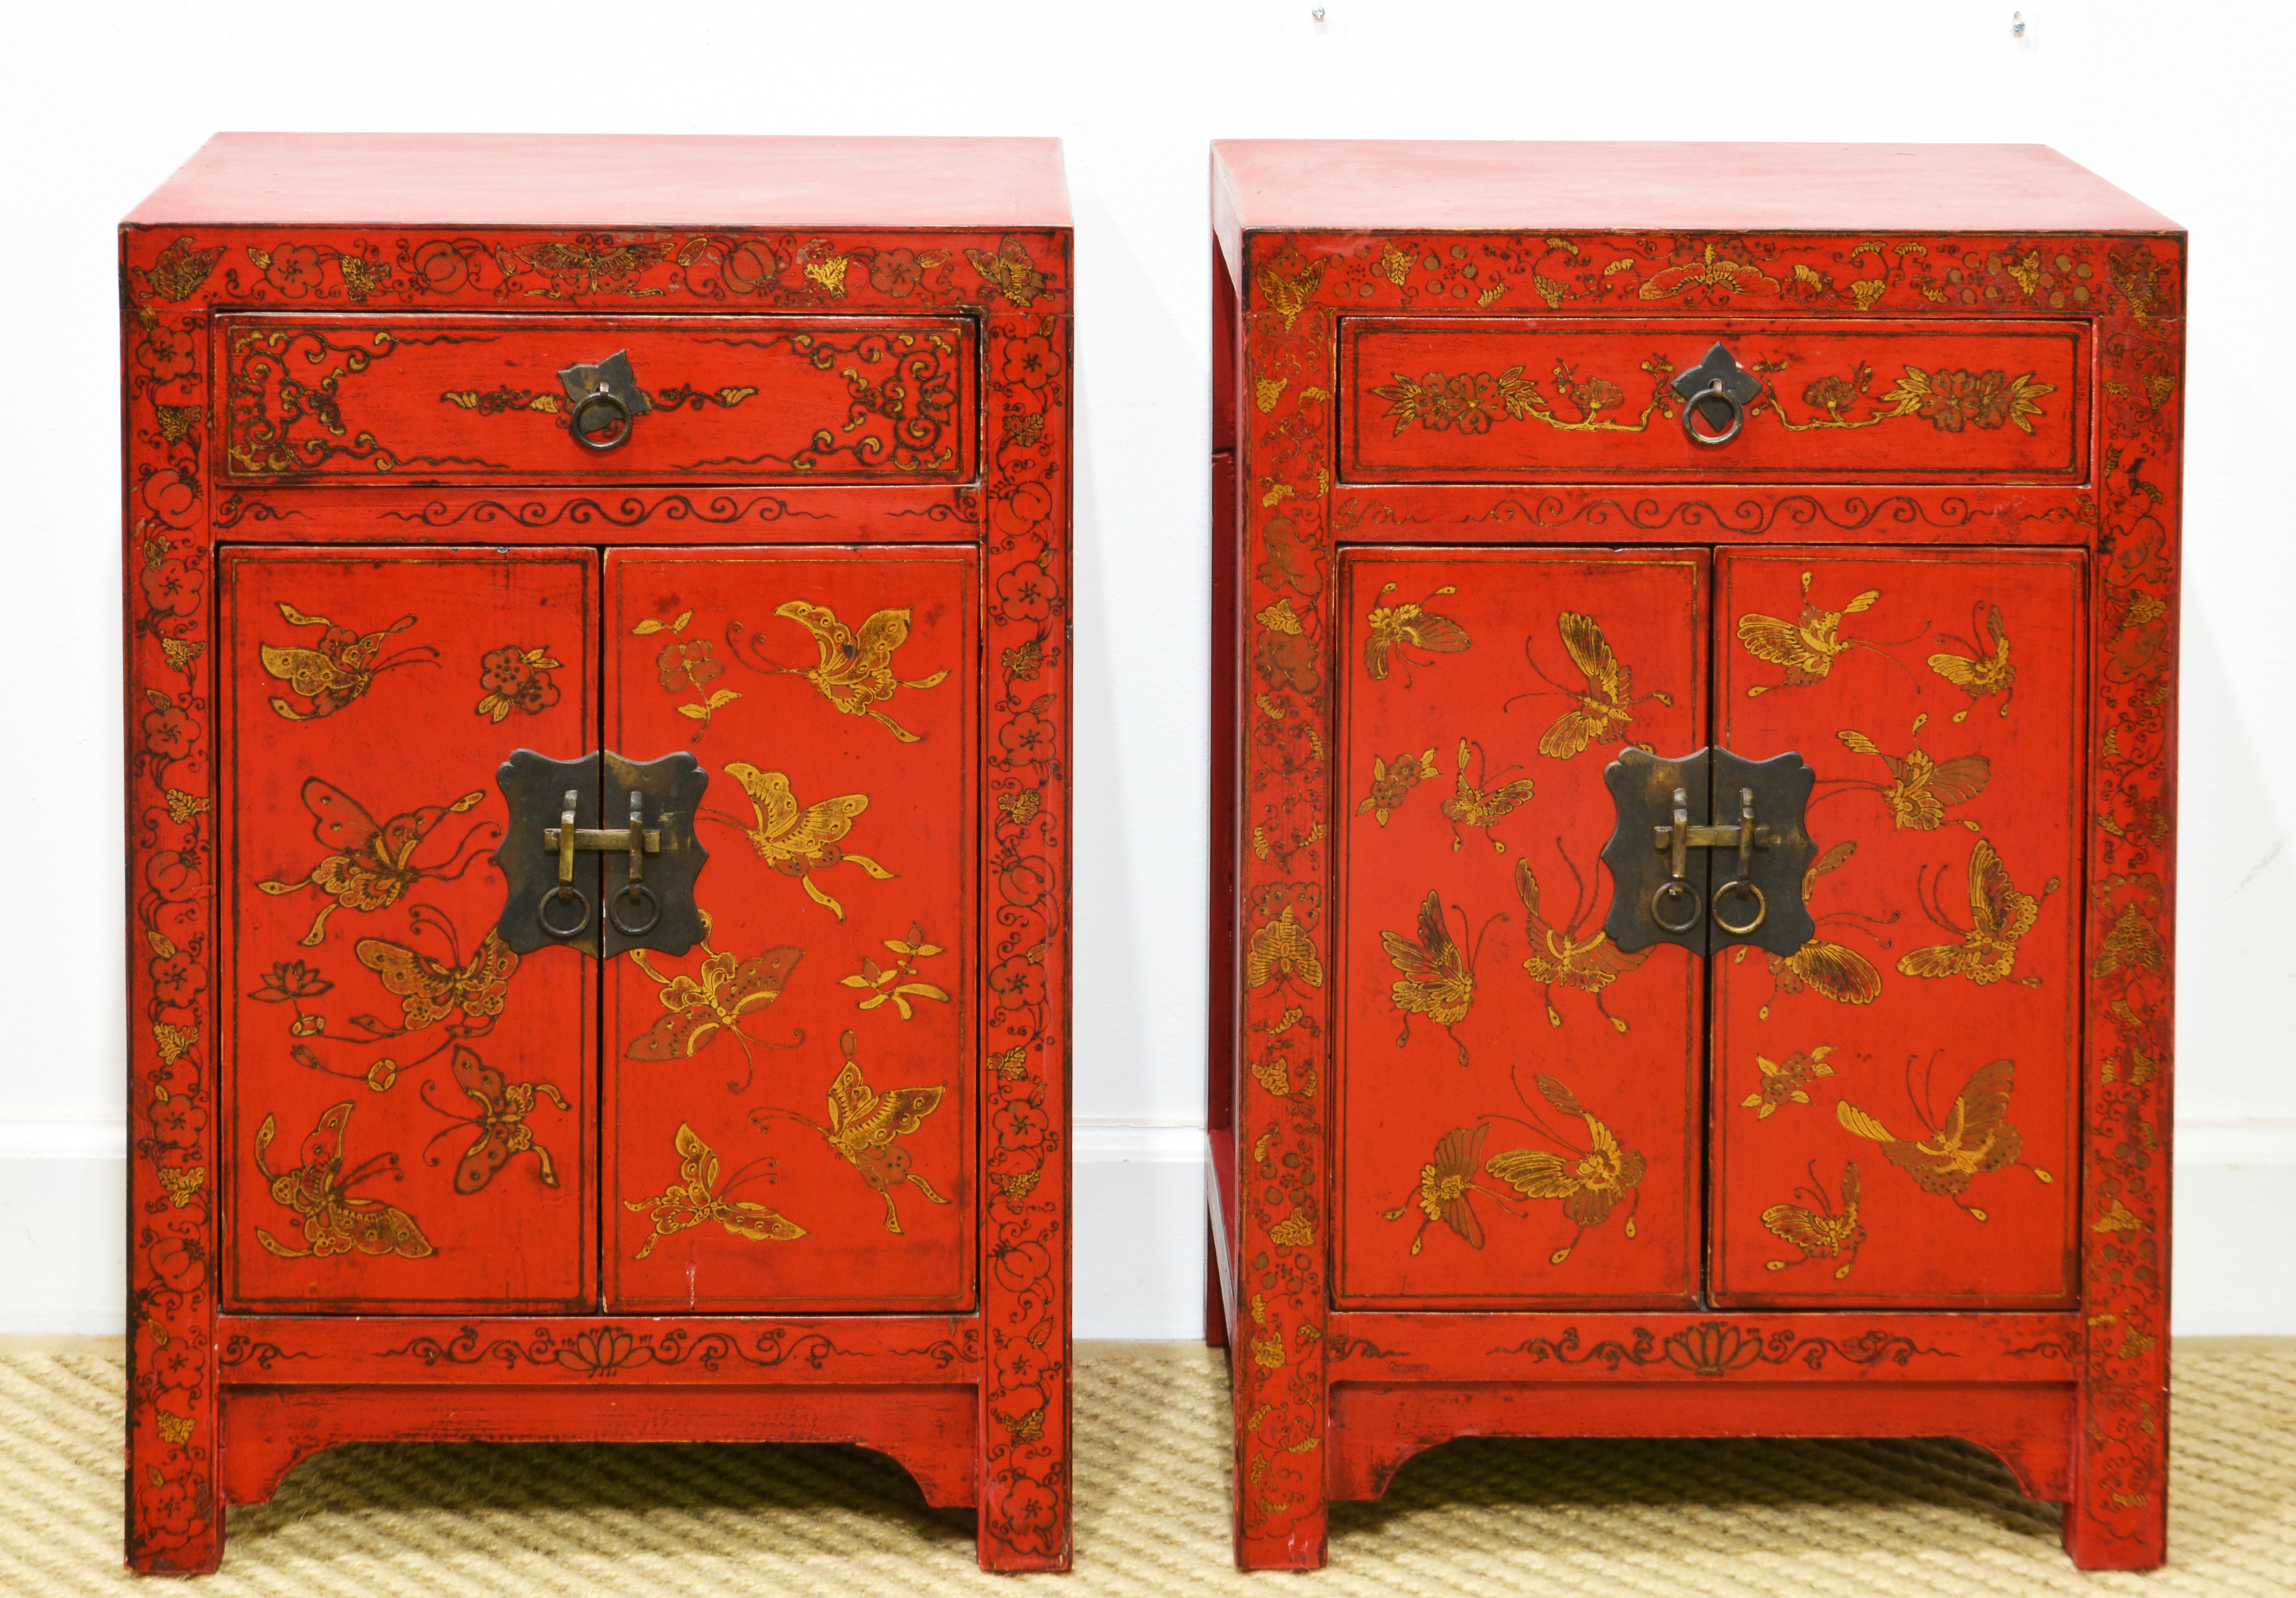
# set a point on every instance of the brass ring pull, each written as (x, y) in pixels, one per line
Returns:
(643, 896)
(1736, 887)
(1674, 906)
(1715, 391)
(617, 429)
(558, 895)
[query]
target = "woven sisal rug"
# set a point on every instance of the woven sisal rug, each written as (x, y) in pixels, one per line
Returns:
(1478, 1517)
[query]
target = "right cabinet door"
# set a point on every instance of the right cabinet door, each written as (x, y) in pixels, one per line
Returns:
(1894, 1107)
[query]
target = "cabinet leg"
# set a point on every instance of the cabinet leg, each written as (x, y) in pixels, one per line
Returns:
(175, 1513)
(2117, 1517)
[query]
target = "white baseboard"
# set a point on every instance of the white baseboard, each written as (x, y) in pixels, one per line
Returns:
(1139, 1227)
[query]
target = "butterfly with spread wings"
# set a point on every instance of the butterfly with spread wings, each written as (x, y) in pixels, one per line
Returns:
(369, 862)
(698, 1198)
(714, 1000)
(335, 1221)
(1975, 1138)
(1398, 630)
(1921, 790)
(865, 1128)
(498, 1122)
(1447, 1188)
(1591, 1180)
(1818, 1230)
(855, 672)
(1439, 977)
(1009, 271)
(1982, 673)
(1830, 970)
(430, 989)
(798, 841)
(2000, 915)
(1605, 709)
(1559, 957)
(1486, 804)
(1807, 646)
(339, 668)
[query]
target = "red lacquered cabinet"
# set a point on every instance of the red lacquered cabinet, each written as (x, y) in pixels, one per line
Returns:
(493, 505)
(1694, 689)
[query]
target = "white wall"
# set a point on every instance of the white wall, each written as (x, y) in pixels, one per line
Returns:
(2185, 106)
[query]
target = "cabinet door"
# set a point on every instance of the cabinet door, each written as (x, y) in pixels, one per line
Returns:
(791, 1105)
(409, 1107)
(1896, 1104)
(1518, 1102)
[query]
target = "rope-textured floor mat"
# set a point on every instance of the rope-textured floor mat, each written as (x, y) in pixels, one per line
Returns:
(1479, 1517)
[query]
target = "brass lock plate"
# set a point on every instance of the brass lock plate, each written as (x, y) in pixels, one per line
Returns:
(600, 854)
(1710, 851)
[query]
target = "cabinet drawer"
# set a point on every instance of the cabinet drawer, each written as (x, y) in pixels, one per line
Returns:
(384, 399)
(1490, 399)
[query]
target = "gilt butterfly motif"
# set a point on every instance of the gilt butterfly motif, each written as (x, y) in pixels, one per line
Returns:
(335, 1220)
(369, 864)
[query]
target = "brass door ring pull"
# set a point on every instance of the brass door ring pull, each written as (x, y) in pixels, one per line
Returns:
(563, 895)
(1673, 905)
(1739, 887)
(1714, 393)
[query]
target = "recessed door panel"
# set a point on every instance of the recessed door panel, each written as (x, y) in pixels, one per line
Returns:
(1519, 1102)
(410, 1109)
(790, 1104)
(1896, 1104)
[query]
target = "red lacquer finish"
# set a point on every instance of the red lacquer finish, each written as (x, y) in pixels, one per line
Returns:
(389, 1180)
(378, 1027)
(1939, 564)
(840, 886)
(470, 399)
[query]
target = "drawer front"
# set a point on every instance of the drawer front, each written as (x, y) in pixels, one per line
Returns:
(410, 1112)
(1519, 1103)
(1896, 1105)
(461, 399)
(791, 1105)
(1429, 400)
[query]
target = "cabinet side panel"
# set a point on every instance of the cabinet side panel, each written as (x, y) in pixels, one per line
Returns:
(1519, 1102)
(792, 1103)
(1928, 1036)
(409, 1115)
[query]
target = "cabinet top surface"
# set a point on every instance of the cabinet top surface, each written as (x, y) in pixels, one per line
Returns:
(622, 181)
(1377, 185)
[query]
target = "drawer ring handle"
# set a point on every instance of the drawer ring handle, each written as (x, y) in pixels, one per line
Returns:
(616, 431)
(1713, 391)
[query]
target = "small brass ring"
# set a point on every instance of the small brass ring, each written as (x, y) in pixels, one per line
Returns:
(581, 905)
(1678, 894)
(603, 439)
(650, 904)
(1714, 391)
(1741, 886)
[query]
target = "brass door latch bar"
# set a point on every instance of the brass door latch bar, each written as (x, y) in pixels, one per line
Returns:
(556, 895)
(566, 839)
(1666, 894)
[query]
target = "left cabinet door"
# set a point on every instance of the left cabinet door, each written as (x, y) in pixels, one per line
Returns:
(409, 1107)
